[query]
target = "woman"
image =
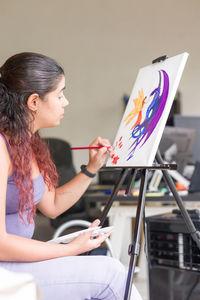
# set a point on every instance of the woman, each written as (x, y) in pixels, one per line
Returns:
(31, 98)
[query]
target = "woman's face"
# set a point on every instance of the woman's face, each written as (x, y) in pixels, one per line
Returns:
(51, 109)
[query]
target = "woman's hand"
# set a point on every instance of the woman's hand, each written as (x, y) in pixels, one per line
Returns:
(85, 242)
(97, 156)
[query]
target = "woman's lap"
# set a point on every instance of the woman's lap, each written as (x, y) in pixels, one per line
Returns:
(76, 277)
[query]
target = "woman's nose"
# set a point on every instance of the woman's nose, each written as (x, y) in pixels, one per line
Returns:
(65, 102)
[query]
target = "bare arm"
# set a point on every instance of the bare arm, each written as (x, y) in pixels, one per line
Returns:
(57, 201)
(16, 248)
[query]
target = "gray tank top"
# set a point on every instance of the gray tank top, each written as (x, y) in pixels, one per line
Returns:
(14, 225)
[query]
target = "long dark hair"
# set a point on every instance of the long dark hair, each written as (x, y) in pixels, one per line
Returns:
(20, 76)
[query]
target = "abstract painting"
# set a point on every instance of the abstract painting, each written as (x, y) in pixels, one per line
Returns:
(146, 113)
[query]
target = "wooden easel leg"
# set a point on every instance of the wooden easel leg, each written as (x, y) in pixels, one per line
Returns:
(135, 246)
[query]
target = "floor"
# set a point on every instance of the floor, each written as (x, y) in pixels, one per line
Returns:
(141, 285)
(44, 232)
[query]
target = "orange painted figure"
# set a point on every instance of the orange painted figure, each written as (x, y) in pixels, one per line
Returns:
(139, 103)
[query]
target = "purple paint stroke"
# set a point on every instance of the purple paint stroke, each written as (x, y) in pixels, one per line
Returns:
(159, 102)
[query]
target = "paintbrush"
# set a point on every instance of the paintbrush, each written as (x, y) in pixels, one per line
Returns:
(84, 148)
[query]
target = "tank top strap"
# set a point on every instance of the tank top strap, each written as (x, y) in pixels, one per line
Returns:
(8, 147)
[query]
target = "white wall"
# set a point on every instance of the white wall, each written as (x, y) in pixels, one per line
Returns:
(101, 45)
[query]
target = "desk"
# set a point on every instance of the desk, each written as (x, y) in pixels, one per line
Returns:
(93, 195)
(123, 211)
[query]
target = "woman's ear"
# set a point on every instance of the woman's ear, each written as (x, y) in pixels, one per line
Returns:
(33, 102)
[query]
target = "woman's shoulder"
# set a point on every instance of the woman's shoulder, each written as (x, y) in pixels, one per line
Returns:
(4, 142)
(5, 161)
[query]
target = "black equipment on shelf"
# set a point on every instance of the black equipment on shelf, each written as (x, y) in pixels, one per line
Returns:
(173, 257)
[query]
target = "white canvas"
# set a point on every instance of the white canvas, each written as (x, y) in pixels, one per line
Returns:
(142, 125)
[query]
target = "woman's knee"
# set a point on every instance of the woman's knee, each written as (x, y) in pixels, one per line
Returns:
(115, 270)
(115, 263)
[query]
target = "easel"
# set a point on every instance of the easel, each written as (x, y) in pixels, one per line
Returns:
(134, 248)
